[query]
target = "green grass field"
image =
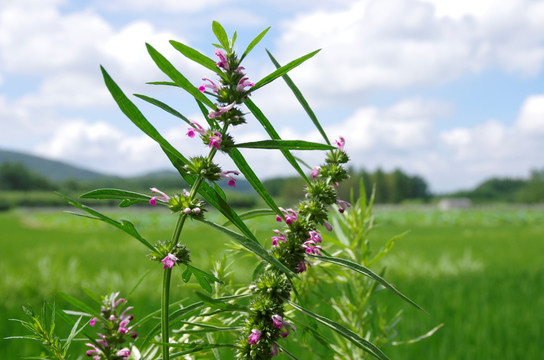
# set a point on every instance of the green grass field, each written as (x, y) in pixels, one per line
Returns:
(478, 272)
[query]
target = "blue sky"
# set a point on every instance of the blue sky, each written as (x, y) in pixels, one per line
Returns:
(449, 90)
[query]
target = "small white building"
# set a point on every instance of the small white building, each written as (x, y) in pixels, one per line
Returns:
(454, 204)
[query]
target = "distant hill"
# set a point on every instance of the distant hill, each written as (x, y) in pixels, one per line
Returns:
(58, 172)
(53, 170)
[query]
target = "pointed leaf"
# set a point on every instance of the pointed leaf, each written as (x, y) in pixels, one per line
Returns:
(301, 99)
(274, 135)
(115, 194)
(177, 77)
(285, 144)
(163, 106)
(250, 176)
(343, 331)
(253, 247)
(221, 304)
(124, 225)
(367, 272)
(221, 35)
(197, 57)
(282, 71)
(134, 114)
(254, 42)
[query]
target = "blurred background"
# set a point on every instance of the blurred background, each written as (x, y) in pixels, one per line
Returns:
(441, 104)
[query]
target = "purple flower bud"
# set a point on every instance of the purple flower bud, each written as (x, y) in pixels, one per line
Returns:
(254, 336)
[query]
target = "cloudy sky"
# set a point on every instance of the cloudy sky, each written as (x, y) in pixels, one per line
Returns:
(450, 90)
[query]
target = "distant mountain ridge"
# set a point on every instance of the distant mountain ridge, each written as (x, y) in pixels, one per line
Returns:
(53, 170)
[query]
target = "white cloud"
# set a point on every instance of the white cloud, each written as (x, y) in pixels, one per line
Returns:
(531, 117)
(394, 44)
(164, 6)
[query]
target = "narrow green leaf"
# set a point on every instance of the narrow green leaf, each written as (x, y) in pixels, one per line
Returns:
(252, 178)
(285, 144)
(221, 303)
(301, 99)
(163, 106)
(253, 214)
(80, 305)
(282, 71)
(115, 194)
(196, 270)
(206, 328)
(254, 42)
(134, 114)
(73, 334)
(367, 272)
(253, 247)
(213, 198)
(197, 57)
(343, 331)
(274, 135)
(419, 338)
(177, 77)
(167, 83)
(124, 225)
(221, 35)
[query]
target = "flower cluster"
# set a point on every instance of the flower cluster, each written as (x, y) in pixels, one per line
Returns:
(169, 257)
(291, 245)
(179, 202)
(114, 322)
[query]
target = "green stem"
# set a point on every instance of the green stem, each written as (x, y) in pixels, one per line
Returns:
(165, 303)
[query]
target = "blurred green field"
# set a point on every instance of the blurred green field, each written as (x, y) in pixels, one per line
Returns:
(480, 272)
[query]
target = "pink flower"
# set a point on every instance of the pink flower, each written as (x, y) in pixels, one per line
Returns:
(232, 181)
(221, 110)
(115, 302)
(342, 205)
(153, 201)
(301, 267)
(327, 226)
(122, 326)
(196, 128)
(340, 142)
(290, 216)
(254, 336)
(315, 237)
(169, 261)
(213, 86)
(277, 321)
(315, 171)
(124, 352)
(240, 70)
(222, 63)
(93, 321)
(274, 350)
(93, 351)
(215, 140)
(312, 248)
(243, 83)
(286, 332)
(281, 237)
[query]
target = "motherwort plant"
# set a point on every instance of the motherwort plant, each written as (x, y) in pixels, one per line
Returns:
(257, 320)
